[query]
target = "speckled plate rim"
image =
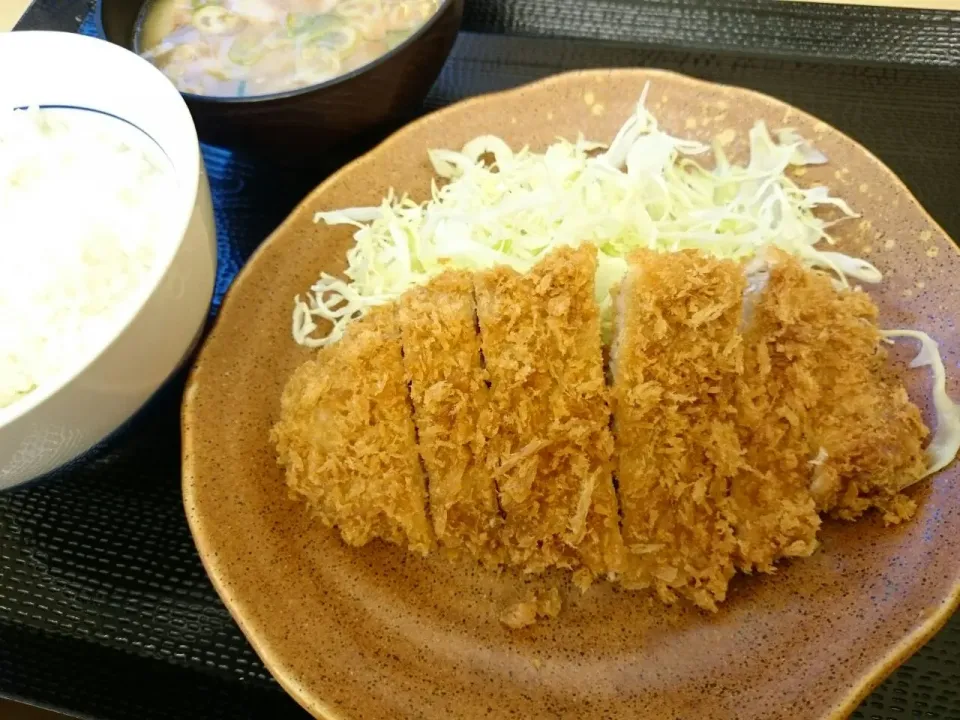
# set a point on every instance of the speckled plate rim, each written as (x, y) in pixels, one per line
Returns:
(856, 694)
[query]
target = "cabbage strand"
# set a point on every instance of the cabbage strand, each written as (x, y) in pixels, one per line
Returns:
(491, 205)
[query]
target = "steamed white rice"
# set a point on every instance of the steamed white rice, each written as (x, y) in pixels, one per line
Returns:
(83, 198)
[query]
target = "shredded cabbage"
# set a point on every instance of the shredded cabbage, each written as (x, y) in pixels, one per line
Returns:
(645, 190)
(945, 443)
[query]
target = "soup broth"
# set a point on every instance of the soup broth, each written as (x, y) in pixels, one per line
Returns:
(236, 48)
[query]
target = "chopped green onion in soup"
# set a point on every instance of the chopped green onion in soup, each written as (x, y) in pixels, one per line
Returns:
(257, 47)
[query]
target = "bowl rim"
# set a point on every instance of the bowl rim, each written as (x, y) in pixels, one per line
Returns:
(187, 179)
(853, 695)
(442, 8)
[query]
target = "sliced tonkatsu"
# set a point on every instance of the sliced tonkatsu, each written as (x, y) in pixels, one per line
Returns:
(870, 445)
(775, 514)
(863, 436)
(676, 360)
(551, 453)
(474, 415)
(347, 442)
(825, 426)
(441, 350)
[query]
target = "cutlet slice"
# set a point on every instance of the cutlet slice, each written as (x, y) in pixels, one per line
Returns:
(864, 436)
(870, 444)
(346, 438)
(676, 360)
(551, 452)
(775, 515)
(450, 401)
(825, 425)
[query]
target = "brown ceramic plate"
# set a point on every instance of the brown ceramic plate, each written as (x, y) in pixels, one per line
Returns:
(373, 633)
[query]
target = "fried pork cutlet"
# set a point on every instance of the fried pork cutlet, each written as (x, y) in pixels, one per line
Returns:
(774, 514)
(864, 435)
(872, 447)
(676, 360)
(450, 401)
(824, 427)
(552, 450)
(346, 438)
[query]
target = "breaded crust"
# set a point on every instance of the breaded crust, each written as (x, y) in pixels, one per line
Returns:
(864, 435)
(775, 515)
(441, 350)
(739, 418)
(346, 438)
(551, 452)
(676, 362)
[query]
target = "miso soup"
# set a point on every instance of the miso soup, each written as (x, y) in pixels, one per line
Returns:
(236, 48)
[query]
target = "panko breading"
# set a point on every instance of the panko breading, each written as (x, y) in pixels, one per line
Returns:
(825, 428)
(676, 362)
(739, 416)
(774, 513)
(533, 607)
(346, 438)
(864, 435)
(448, 388)
(873, 448)
(551, 453)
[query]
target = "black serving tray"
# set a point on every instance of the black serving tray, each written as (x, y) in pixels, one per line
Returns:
(105, 610)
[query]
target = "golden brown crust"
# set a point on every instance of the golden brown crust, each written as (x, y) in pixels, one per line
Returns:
(824, 428)
(730, 441)
(676, 364)
(552, 451)
(873, 443)
(346, 438)
(864, 433)
(450, 400)
(534, 606)
(774, 513)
